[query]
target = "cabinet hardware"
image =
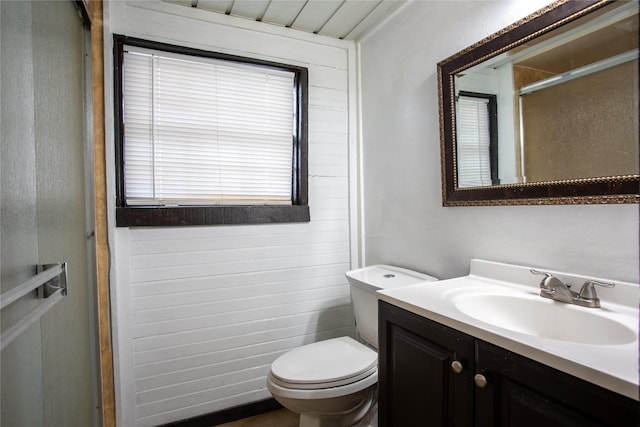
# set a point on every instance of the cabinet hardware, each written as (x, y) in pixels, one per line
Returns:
(480, 380)
(456, 366)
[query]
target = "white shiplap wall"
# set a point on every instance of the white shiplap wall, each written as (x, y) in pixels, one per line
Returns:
(199, 313)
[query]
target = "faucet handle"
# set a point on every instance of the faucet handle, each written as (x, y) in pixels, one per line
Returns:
(541, 273)
(549, 283)
(588, 291)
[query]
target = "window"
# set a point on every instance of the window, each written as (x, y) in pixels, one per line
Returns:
(207, 138)
(476, 146)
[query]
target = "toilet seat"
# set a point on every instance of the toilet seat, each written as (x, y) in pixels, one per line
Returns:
(323, 385)
(322, 364)
(324, 369)
(322, 393)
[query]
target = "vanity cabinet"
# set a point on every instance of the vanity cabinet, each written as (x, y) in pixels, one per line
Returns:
(427, 377)
(417, 384)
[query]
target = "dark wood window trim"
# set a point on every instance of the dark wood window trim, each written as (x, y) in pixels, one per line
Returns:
(156, 216)
(493, 130)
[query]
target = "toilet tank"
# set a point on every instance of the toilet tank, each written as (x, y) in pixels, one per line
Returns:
(364, 284)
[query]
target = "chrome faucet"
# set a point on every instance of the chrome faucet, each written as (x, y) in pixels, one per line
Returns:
(551, 287)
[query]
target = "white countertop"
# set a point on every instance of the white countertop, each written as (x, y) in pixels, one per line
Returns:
(612, 366)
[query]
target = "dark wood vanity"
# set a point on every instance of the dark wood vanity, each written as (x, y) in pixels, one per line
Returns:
(433, 375)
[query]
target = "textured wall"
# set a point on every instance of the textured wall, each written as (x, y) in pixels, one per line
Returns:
(601, 139)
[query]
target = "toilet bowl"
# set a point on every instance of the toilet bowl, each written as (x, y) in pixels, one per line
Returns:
(314, 381)
(333, 383)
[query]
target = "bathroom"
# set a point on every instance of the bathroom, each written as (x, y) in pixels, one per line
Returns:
(374, 197)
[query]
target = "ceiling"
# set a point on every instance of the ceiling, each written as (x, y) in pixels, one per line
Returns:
(340, 19)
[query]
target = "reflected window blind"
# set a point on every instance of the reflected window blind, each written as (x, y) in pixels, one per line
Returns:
(206, 131)
(472, 142)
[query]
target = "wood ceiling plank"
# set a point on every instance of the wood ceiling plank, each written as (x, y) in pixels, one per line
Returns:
(180, 2)
(315, 14)
(383, 10)
(220, 6)
(347, 17)
(252, 9)
(283, 12)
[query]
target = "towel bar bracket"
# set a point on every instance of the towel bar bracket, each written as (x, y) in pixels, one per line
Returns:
(56, 283)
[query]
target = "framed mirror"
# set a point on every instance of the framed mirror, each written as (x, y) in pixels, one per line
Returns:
(544, 111)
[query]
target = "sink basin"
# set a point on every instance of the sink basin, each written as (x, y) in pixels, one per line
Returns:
(536, 316)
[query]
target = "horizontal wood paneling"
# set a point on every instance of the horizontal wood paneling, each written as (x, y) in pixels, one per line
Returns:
(149, 307)
(202, 312)
(264, 279)
(155, 353)
(276, 249)
(326, 76)
(170, 321)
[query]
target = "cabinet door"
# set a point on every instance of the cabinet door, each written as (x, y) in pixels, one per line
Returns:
(418, 386)
(521, 392)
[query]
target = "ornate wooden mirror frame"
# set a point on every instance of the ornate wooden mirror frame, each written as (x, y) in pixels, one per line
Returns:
(610, 189)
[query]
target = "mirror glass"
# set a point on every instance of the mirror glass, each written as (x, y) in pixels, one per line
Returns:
(555, 110)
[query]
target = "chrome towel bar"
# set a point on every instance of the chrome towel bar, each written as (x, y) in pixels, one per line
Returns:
(51, 286)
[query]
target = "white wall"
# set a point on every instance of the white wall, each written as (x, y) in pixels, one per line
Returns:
(405, 222)
(201, 312)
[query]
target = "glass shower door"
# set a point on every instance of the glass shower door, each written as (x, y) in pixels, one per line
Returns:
(46, 374)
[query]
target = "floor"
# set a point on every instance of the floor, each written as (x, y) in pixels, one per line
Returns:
(279, 418)
(284, 418)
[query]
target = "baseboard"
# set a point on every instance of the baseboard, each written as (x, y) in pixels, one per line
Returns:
(228, 415)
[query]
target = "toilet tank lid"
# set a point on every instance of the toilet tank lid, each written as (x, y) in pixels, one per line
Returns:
(382, 276)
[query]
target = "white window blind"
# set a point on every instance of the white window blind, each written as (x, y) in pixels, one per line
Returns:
(205, 131)
(472, 142)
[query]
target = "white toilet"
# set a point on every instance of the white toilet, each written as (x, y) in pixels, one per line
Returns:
(333, 383)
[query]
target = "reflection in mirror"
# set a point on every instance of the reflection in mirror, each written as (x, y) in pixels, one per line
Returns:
(559, 108)
(477, 147)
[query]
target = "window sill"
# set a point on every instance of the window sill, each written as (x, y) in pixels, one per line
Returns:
(209, 215)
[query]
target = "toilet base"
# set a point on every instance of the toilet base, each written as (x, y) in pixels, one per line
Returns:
(371, 418)
(344, 411)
